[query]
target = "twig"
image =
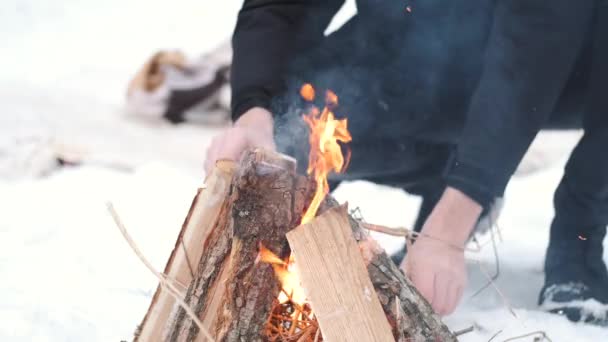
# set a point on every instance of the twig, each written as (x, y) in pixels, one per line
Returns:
(410, 235)
(494, 336)
(399, 232)
(166, 285)
(502, 296)
(496, 263)
(540, 332)
(464, 331)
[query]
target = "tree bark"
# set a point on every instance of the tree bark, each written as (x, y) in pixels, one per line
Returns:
(233, 293)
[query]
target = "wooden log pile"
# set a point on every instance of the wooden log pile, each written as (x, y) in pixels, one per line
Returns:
(354, 292)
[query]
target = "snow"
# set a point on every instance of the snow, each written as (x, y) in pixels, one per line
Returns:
(67, 273)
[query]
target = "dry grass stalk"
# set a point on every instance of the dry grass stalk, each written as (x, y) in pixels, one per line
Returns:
(167, 285)
(539, 336)
(411, 235)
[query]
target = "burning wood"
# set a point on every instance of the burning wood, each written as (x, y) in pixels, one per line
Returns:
(291, 317)
(246, 285)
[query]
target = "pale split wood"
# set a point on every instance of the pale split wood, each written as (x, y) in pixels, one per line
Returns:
(409, 314)
(336, 280)
(182, 264)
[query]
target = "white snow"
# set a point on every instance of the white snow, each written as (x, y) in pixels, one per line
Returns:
(66, 273)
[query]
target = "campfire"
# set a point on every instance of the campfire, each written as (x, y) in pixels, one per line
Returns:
(266, 254)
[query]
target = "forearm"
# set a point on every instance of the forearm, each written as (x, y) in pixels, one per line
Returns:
(259, 117)
(453, 218)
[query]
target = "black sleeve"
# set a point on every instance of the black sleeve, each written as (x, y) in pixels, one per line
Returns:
(268, 34)
(530, 53)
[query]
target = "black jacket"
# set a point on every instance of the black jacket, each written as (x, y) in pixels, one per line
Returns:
(517, 54)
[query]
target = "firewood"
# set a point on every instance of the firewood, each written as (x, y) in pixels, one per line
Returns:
(182, 265)
(233, 292)
(410, 315)
(336, 282)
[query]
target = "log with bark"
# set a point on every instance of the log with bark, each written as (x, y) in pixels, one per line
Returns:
(233, 293)
(410, 315)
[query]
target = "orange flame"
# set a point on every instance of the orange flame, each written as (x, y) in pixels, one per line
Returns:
(325, 151)
(307, 92)
(325, 155)
(287, 275)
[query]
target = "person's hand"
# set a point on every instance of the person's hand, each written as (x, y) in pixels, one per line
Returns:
(435, 262)
(438, 273)
(253, 129)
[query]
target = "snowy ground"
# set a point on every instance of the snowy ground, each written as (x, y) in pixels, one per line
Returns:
(67, 274)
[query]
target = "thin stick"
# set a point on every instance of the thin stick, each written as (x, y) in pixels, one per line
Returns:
(540, 332)
(163, 282)
(174, 282)
(464, 331)
(409, 235)
(494, 336)
(295, 320)
(399, 232)
(502, 296)
(496, 263)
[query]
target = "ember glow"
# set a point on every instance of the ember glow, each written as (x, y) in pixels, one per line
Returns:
(287, 275)
(325, 151)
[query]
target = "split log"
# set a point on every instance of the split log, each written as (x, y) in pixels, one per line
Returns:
(183, 262)
(409, 314)
(336, 282)
(233, 293)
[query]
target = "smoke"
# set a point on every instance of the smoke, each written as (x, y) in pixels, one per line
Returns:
(399, 76)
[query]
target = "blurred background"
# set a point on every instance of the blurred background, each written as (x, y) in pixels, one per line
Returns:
(71, 139)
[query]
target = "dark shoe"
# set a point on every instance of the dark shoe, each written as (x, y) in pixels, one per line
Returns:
(576, 277)
(577, 301)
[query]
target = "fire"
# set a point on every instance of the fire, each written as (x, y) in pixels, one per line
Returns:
(326, 134)
(325, 151)
(287, 275)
